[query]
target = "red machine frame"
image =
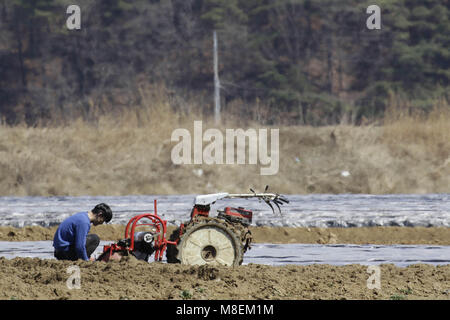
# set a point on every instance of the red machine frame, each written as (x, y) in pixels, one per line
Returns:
(160, 243)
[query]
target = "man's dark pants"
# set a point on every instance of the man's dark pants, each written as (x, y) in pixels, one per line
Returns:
(92, 242)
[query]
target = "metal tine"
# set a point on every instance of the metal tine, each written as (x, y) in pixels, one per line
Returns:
(275, 201)
(279, 209)
(270, 205)
(278, 201)
(283, 199)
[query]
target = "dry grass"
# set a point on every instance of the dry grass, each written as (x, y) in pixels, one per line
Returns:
(129, 153)
(431, 132)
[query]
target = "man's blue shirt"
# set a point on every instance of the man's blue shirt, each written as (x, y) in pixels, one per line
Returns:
(73, 232)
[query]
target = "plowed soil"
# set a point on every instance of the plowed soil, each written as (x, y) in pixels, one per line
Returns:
(36, 279)
(27, 278)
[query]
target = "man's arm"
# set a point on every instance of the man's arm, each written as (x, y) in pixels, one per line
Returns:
(80, 241)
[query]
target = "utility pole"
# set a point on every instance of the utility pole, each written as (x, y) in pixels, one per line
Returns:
(216, 82)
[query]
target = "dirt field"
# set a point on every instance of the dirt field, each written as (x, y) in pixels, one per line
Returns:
(369, 235)
(26, 278)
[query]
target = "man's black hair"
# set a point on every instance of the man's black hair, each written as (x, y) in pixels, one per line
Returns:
(104, 210)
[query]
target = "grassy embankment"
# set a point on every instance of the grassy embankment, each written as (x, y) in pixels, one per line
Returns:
(130, 153)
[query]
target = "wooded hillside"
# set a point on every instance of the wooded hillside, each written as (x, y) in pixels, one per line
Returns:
(280, 62)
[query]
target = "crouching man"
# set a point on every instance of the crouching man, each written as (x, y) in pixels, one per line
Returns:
(72, 241)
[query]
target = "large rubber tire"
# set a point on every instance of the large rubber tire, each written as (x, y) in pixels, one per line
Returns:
(211, 242)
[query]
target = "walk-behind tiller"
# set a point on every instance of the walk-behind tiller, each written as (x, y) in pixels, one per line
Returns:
(203, 240)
